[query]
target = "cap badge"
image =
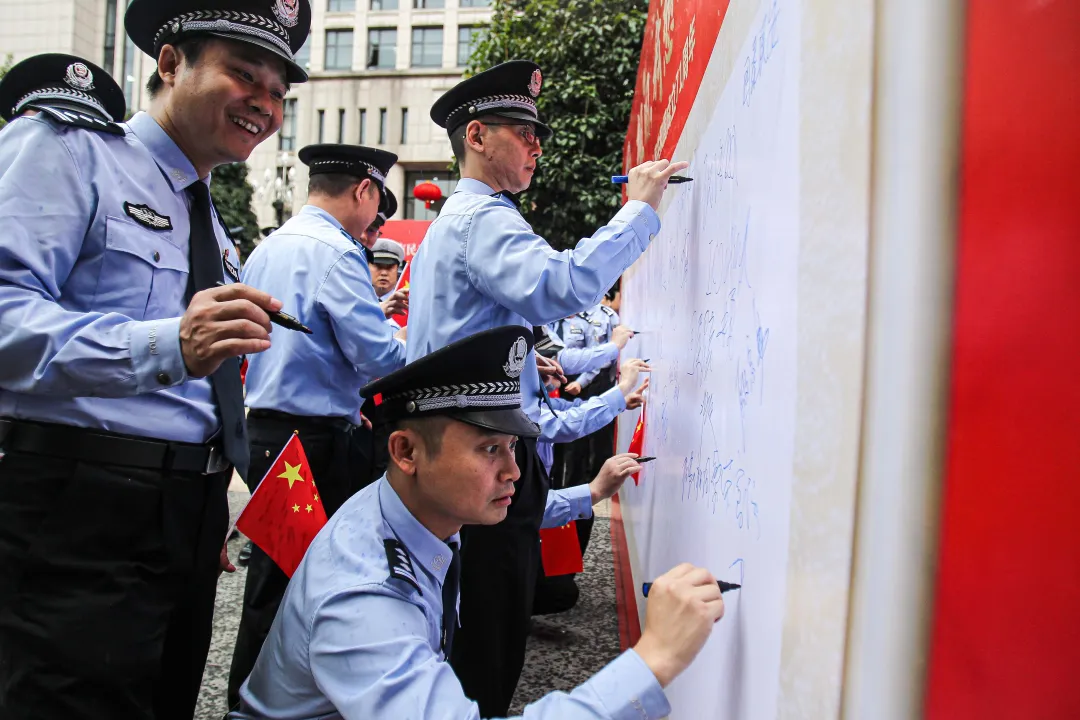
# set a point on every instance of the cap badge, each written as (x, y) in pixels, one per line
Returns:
(287, 11)
(79, 77)
(516, 362)
(535, 83)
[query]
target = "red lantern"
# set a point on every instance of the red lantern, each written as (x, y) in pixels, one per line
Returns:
(429, 192)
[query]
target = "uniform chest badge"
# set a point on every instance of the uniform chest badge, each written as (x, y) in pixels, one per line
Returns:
(516, 361)
(397, 557)
(148, 217)
(576, 331)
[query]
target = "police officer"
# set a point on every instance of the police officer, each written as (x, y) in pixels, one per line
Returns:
(310, 383)
(387, 259)
(121, 410)
(64, 85)
(481, 266)
(371, 613)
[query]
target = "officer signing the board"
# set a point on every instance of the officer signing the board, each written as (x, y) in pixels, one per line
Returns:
(480, 266)
(121, 409)
(371, 613)
(316, 263)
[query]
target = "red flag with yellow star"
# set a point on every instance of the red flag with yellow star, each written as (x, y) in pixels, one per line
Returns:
(637, 441)
(402, 319)
(285, 512)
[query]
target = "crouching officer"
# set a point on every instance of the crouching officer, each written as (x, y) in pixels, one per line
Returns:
(121, 409)
(75, 91)
(371, 613)
(316, 263)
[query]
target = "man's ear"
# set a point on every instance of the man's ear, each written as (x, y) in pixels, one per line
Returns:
(168, 64)
(404, 446)
(474, 136)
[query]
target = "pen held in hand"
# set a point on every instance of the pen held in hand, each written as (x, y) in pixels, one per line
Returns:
(724, 587)
(283, 319)
(674, 179)
(644, 459)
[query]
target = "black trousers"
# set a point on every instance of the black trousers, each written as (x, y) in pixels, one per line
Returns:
(339, 456)
(499, 567)
(107, 584)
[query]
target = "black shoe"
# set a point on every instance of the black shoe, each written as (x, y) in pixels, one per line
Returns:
(555, 595)
(245, 555)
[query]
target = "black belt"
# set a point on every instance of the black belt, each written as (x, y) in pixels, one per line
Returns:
(105, 448)
(333, 423)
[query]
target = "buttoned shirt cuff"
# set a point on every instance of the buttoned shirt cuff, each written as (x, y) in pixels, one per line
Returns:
(629, 690)
(156, 355)
(644, 221)
(580, 499)
(614, 399)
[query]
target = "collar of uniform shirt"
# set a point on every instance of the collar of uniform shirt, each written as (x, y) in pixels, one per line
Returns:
(320, 213)
(174, 164)
(425, 549)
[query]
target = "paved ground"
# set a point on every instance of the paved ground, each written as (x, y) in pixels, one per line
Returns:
(564, 649)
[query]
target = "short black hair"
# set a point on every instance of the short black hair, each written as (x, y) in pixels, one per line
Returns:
(191, 49)
(332, 185)
(430, 429)
(457, 143)
(610, 294)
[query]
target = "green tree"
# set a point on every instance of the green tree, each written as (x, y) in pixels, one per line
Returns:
(588, 52)
(232, 197)
(9, 60)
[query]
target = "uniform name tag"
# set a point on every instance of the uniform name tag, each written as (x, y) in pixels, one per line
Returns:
(148, 217)
(397, 557)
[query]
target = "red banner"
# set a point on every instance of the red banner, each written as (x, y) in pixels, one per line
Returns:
(679, 40)
(407, 232)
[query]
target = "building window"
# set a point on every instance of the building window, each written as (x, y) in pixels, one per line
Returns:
(468, 37)
(363, 126)
(341, 125)
(475, 3)
(322, 124)
(110, 35)
(287, 136)
(382, 126)
(340, 5)
(384, 4)
(428, 4)
(414, 209)
(338, 50)
(427, 47)
(303, 55)
(382, 48)
(129, 73)
(404, 125)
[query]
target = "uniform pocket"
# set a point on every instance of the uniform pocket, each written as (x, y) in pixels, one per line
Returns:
(143, 276)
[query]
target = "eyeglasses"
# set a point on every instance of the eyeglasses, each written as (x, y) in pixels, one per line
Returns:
(527, 133)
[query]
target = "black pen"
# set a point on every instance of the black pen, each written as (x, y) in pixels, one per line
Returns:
(644, 459)
(284, 319)
(674, 179)
(724, 587)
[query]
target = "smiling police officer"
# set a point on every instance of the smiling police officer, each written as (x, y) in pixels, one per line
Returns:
(121, 409)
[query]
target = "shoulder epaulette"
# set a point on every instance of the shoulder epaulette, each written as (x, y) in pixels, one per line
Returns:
(609, 311)
(401, 568)
(74, 118)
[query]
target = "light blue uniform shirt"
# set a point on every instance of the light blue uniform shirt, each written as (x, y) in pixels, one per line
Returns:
(321, 275)
(352, 641)
(575, 420)
(481, 266)
(601, 322)
(90, 297)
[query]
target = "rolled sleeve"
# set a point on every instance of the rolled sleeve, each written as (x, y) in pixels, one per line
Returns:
(156, 354)
(629, 690)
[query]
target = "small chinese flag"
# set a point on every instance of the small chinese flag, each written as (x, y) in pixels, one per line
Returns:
(637, 442)
(402, 319)
(560, 550)
(285, 511)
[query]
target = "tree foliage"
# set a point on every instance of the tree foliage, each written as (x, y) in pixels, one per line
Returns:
(232, 197)
(588, 52)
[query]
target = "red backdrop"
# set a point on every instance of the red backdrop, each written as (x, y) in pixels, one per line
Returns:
(1006, 635)
(407, 232)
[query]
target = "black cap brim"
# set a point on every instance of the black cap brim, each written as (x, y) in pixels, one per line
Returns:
(507, 422)
(294, 74)
(542, 131)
